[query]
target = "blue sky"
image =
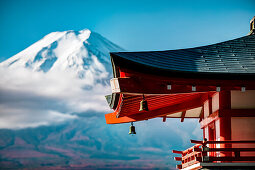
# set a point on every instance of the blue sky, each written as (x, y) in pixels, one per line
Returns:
(30, 99)
(134, 25)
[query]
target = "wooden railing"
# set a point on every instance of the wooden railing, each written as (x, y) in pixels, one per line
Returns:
(202, 152)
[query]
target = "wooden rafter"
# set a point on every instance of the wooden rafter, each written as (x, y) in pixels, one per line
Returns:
(190, 104)
(183, 115)
(164, 118)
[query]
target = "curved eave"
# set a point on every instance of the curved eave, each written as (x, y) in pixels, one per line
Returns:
(128, 108)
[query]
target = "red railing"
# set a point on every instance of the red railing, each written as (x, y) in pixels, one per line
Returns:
(203, 151)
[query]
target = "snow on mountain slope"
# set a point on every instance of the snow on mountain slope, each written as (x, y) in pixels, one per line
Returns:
(63, 75)
(83, 53)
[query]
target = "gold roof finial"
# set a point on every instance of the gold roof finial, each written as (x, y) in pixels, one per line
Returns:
(252, 26)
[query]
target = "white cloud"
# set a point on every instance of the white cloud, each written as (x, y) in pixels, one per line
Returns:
(30, 99)
(16, 118)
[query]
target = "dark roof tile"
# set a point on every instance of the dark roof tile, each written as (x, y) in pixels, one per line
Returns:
(234, 56)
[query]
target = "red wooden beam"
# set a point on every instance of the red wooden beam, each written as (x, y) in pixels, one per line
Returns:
(183, 115)
(226, 149)
(196, 141)
(178, 166)
(156, 85)
(221, 142)
(178, 152)
(212, 117)
(229, 141)
(242, 112)
(190, 104)
(164, 118)
(197, 149)
(225, 120)
(227, 158)
(178, 158)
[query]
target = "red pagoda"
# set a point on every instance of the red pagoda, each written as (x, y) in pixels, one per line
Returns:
(214, 83)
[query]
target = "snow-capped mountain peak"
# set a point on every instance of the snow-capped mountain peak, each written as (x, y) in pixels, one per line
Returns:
(83, 53)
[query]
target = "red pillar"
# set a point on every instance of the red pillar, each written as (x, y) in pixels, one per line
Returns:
(225, 119)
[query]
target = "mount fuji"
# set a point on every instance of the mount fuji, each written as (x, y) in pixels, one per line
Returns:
(52, 110)
(59, 77)
(83, 53)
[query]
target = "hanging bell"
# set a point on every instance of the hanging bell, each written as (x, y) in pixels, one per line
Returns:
(132, 129)
(143, 105)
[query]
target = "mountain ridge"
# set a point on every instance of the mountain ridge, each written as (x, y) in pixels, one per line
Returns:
(85, 53)
(60, 77)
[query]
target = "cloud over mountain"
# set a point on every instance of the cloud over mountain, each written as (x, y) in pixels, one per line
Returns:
(61, 75)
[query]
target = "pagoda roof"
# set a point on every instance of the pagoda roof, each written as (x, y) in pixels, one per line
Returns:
(228, 59)
(176, 83)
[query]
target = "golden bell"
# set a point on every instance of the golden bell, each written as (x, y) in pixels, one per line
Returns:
(143, 105)
(132, 129)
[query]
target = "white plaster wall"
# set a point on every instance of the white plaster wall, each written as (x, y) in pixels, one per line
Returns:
(243, 128)
(206, 109)
(215, 102)
(243, 100)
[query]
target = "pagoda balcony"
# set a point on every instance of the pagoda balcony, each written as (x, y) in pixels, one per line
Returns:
(217, 155)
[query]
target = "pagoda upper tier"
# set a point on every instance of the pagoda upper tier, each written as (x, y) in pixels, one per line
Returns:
(176, 83)
(227, 59)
